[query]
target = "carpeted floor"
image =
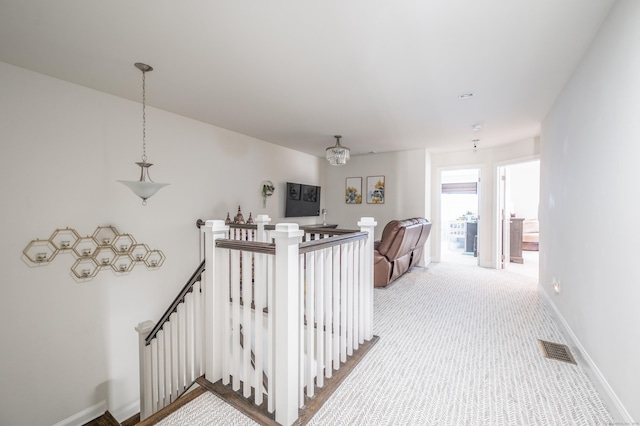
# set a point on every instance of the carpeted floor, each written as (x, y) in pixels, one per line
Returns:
(458, 346)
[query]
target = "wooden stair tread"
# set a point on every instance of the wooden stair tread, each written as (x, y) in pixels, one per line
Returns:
(104, 420)
(173, 407)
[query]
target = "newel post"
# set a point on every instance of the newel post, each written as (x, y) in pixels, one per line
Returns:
(368, 224)
(212, 292)
(261, 221)
(143, 329)
(286, 310)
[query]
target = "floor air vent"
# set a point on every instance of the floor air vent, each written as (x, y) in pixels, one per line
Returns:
(556, 351)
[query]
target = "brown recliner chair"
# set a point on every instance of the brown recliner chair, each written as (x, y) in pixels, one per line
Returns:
(400, 248)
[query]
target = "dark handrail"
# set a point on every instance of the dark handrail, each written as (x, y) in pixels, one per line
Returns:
(251, 246)
(324, 243)
(305, 247)
(188, 288)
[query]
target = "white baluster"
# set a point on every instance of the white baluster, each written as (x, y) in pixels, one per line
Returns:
(301, 331)
(190, 338)
(247, 330)
(197, 330)
(182, 347)
(328, 306)
(356, 294)
(161, 369)
(155, 398)
(310, 313)
(175, 357)
(319, 279)
(235, 319)
(350, 273)
(336, 307)
(168, 389)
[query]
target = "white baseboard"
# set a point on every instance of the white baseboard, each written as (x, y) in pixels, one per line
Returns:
(126, 412)
(97, 410)
(620, 413)
(85, 415)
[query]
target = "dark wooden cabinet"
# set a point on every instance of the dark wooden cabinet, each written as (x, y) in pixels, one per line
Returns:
(470, 238)
(515, 237)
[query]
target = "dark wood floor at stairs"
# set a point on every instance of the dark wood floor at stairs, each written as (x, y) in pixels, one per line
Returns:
(104, 420)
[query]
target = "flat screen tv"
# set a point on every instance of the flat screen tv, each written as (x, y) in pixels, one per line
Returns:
(302, 200)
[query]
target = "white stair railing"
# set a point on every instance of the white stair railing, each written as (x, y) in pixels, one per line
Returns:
(290, 309)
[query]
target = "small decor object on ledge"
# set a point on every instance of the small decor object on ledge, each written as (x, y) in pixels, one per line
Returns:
(375, 189)
(228, 221)
(144, 187)
(250, 219)
(267, 191)
(239, 219)
(105, 249)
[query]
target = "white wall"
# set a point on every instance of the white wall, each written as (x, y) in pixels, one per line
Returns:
(525, 189)
(487, 160)
(590, 146)
(68, 346)
(406, 191)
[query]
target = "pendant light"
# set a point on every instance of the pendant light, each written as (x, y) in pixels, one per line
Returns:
(338, 155)
(144, 187)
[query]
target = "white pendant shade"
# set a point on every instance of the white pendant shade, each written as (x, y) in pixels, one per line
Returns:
(145, 187)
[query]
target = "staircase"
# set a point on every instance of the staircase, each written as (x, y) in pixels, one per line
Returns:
(284, 301)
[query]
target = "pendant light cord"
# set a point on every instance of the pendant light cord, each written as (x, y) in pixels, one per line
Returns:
(144, 119)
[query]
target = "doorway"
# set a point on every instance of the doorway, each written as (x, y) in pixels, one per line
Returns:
(519, 199)
(459, 201)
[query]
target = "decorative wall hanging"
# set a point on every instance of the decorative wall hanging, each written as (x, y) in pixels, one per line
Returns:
(105, 249)
(267, 191)
(353, 190)
(375, 189)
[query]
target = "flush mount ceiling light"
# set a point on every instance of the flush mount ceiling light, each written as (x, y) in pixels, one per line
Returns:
(467, 95)
(477, 127)
(338, 155)
(144, 187)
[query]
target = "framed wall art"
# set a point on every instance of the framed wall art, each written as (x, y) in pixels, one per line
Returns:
(353, 190)
(375, 189)
(293, 190)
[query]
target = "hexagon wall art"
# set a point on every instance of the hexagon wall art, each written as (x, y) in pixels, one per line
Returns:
(106, 249)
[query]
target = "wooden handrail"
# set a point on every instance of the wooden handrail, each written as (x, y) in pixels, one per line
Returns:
(305, 247)
(323, 243)
(188, 288)
(251, 246)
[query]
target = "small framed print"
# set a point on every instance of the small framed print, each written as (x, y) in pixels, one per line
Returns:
(309, 193)
(293, 190)
(375, 189)
(353, 190)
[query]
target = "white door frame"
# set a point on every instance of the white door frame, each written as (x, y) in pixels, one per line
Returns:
(499, 205)
(437, 220)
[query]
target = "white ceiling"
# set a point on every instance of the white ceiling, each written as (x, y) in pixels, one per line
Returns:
(386, 75)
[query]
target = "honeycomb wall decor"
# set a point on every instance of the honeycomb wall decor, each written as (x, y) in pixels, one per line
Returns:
(106, 249)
